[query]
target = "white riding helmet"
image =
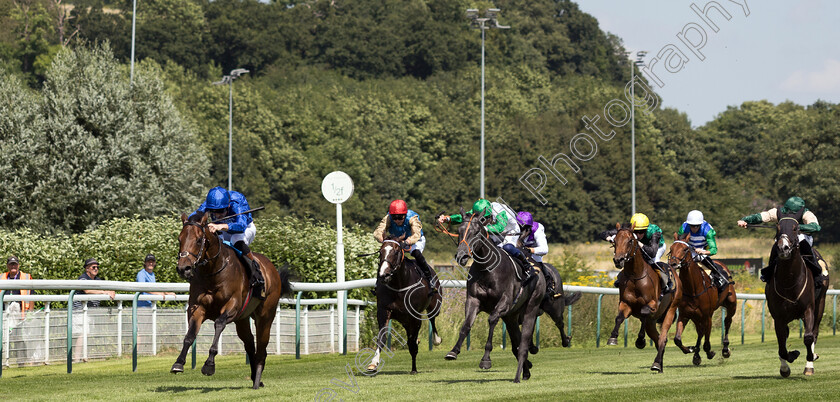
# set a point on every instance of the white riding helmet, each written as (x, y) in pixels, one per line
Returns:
(694, 217)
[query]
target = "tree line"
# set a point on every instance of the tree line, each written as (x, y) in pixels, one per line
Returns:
(385, 91)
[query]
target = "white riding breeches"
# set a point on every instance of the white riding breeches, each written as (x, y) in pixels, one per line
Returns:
(247, 236)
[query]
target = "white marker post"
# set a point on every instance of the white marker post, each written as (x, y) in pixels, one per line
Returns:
(337, 187)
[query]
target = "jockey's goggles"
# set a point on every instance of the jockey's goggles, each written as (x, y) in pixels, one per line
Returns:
(398, 217)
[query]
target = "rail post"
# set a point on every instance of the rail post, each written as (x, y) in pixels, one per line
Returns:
(2, 330)
(70, 331)
(743, 305)
(297, 325)
(134, 332)
(598, 324)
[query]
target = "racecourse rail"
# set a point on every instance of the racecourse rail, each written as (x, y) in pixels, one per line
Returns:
(299, 287)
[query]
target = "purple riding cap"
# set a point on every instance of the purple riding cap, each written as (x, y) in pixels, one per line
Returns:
(526, 219)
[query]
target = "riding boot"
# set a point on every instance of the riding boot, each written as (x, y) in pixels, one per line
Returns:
(526, 266)
(425, 269)
(550, 291)
(767, 271)
(666, 280)
(720, 277)
(257, 281)
(812, 263)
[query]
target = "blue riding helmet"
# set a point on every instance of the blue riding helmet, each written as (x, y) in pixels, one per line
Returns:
(217, 198)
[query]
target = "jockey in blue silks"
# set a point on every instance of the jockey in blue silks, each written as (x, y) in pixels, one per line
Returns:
(238, 230)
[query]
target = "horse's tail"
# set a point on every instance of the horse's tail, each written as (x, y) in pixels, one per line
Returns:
(285, 283)
(572, 298)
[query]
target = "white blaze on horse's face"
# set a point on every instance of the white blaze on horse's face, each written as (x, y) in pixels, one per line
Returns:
(383, 269)
(785, 246)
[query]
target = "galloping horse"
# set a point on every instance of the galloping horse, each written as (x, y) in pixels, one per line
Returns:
(700, 300)
(220, 291)
(402, 294)
(791, 295)
(640, 294)
(493, 286)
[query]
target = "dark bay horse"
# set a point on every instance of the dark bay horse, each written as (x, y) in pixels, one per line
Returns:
(791, 295)
(402, 294)
(640, 294)
(219, 291)
(493, 285)
(700, 300)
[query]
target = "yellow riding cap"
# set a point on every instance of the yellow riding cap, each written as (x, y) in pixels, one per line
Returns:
(640, 221)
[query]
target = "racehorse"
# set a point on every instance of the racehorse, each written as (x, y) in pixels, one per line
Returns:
(640, 294)
(220, 291)
(791, 295)
(493, 286)
(402, 294)
(700, 300)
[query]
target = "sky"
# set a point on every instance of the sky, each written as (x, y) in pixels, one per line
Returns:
(782, 50)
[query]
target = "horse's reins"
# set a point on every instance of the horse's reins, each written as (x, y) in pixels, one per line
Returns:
(197, 257)
(681, 261)
(402, 258)
(632, 256)
(804, 284)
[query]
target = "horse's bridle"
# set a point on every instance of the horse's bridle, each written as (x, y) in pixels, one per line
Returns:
(402, 254)
(682, 263)
(631, 256)
(196, 260)
(795, 245)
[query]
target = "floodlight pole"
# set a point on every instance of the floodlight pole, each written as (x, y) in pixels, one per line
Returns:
(638, 62)
(228, 79)
(133, 24)
(481, 24)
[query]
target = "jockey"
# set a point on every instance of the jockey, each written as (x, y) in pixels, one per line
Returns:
(402, 221)
(238, 230)
(808, 224)
(503, 230)
(653, 246)
(701, 236)
(533, 239)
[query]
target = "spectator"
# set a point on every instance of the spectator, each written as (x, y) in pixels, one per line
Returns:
(13, 272)
(147, 274)
(91, 273)
(81, 322)
(15, 315)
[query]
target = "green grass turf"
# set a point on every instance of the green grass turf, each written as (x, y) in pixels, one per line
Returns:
(613, 373)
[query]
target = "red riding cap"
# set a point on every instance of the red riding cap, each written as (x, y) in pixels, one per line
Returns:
(398, 207)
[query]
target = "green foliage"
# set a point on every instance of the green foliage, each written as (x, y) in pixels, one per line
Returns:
(120, 245)
(89, 147)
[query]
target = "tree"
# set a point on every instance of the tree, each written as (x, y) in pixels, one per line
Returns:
(98, 149)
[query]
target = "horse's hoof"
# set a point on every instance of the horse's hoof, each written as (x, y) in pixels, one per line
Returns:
(809, 371)
(208, 369)
(567, 341)
(257, 386)
(177, 368)
(696, 360)
(485, 364)
(526, 375)
(413, 372)
(371, 367)
(533, 349)
(610, 342)
(710, 355)
(726, 353)
(451, 356)
(437, 340)
(516, 381)
(640, 343)
(261, 384)
(656, 367)
(785, 372)
(792, 356)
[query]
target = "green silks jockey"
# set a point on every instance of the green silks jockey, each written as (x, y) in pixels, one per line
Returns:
(487, 208)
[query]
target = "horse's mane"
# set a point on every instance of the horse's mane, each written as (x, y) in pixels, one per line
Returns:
(625, 226)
